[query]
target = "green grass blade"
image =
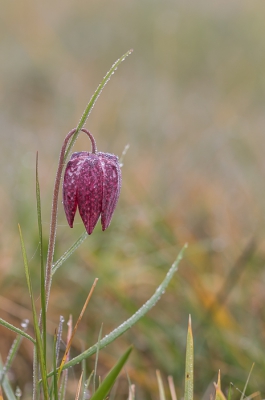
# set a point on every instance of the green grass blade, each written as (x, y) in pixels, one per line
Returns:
(230, 392)
(84, 374)
(96, 360)
(43, 297)
(10, 395)
(132, 320)
(93, 100)
(35, 321)
(162, 395)
(16, 330)
(64, 379)
(69, 252)
(35, 393)
(59, 338)
(188, 394)
(110, 379)
(55, 385)
(246, 384)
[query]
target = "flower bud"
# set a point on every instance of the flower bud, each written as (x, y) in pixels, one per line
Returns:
(92, 182)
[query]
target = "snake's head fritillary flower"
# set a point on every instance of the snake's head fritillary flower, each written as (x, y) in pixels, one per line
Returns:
(92, 182)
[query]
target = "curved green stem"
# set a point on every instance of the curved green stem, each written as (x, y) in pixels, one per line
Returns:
(16, 330)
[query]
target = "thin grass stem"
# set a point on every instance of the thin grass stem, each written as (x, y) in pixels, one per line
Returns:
(42, 285)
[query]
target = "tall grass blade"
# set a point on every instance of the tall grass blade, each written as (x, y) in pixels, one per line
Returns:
(172, 388)
(161, 389)
(39, 348)
(110, 379)
(230, 392)
(59, 338)
(94, 99)
(219, 379)
(84, 374)
(188, 394)
(96, 360)
(246, 384)
(64, 379)
(132, 320)
(42, 268)
(35, 376)
(62, 392)
(79, 386)
(55, 384)
(112, 395)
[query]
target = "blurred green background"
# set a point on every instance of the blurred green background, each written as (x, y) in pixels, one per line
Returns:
(190, 102)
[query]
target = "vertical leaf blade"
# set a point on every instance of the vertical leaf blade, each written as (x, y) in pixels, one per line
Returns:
(246, 384)
(35, 320)
(43, 296)
(161, 389)
(188, 395)
(55, 385)
(110, 379)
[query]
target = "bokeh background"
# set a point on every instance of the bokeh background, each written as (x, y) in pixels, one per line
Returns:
(190, 102)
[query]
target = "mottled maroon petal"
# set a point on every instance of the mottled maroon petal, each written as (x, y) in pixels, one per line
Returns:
(111, 186)
(79, 154)
(70, 185)
(92, 182)
(89, 191)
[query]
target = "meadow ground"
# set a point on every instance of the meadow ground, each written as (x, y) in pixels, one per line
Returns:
(190, 103)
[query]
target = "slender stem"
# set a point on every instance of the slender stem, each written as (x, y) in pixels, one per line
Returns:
(43, 297)
(91, 137)
(54, 212)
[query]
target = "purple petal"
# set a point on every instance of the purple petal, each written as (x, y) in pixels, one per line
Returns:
(111, 186)
(70, 185)
(89, 191)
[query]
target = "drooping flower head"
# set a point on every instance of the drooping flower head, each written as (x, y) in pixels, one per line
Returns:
(92, 182)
